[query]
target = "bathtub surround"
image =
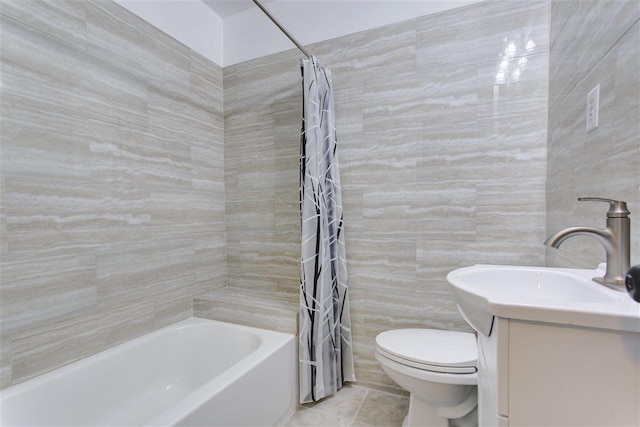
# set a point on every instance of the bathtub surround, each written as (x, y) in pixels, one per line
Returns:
(593, 42)
(112, 190)
(257, 308)
(326, 349)
(438, 161)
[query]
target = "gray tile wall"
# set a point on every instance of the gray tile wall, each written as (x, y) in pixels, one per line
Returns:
(593, 42)
(112, 183)
(113, 201)
(441, 166)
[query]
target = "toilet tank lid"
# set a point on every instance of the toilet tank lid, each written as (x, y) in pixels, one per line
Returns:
(431, 346)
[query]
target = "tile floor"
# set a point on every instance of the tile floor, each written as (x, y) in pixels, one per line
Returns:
(353, 406)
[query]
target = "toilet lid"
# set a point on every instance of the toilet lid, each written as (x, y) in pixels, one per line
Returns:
(431, 347)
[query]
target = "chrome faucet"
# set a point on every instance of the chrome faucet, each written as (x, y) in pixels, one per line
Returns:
(615, 238)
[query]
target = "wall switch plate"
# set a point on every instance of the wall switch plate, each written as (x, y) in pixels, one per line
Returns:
(593, 105)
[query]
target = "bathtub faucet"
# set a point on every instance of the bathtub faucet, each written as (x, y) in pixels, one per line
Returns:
(615, 238)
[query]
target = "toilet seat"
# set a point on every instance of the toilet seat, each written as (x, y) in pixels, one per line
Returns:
(430, 349)
(426, 366)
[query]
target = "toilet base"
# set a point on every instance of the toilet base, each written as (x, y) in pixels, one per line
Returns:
(423, 415)
(469, 420)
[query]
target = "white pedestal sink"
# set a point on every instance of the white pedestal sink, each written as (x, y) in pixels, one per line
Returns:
(555, 348)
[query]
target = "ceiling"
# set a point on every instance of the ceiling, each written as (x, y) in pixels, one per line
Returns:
(200, 24)
(225, 8)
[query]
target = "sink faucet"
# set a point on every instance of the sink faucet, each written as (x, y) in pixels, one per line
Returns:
(615, 238)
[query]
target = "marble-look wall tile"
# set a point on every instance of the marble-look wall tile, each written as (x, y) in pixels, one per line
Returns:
(63, 20)
(206, 84)
(257, 307)
(112, 213)
(390, 123)
(375, 54)
(595, 43)
(562, 12)
(261, 162)
(57, 343)
(127, 42)
(441, 167)
(470, 36)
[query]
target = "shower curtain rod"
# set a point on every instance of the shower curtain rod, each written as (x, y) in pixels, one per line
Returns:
(282, 28)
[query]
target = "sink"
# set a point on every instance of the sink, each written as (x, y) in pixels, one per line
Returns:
(553, 295)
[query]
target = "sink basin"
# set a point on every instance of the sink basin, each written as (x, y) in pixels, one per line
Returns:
(554, 295)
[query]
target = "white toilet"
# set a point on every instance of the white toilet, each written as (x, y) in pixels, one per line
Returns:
(438, 369)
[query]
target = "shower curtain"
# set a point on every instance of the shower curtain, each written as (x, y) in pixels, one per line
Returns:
(325, 349)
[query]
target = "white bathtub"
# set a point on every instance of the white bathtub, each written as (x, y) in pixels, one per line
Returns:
(194, 373)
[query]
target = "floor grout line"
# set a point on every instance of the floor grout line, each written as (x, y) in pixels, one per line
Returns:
(366, 394)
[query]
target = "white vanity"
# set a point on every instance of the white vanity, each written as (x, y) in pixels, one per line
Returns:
(555, 348)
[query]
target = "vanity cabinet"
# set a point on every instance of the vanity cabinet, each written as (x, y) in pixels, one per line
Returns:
(548, 374)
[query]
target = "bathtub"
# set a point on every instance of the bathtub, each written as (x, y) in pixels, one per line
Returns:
(194, 373)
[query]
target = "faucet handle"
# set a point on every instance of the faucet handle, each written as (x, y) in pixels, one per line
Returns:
(617, 208)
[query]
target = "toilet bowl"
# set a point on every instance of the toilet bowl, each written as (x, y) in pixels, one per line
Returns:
(438, 369)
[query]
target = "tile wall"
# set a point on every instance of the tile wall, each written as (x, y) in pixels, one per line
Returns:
(112, 190)
(442, 145)
(593, 42)
(113, 202)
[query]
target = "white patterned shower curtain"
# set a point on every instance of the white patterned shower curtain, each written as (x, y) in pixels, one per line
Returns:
(326, 355)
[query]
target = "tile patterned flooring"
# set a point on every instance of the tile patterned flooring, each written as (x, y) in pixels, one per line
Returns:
(353, 406)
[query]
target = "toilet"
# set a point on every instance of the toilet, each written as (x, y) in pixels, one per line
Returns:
(438, 369)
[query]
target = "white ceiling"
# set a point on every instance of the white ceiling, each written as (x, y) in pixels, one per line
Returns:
(232, 31)
(225, 8)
